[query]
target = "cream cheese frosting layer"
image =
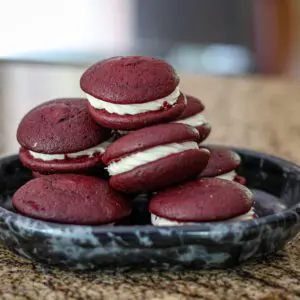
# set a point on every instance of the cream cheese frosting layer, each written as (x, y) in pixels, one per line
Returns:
(123, 132)
(90, 152)
(134, 160)
(195, 120)
(228, 176)
(248, 216)
(158, 221)
(133, 109)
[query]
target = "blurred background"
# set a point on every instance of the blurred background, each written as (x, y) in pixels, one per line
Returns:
(46, 45)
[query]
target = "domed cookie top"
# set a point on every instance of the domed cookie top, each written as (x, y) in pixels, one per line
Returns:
(60, 126)
(222, 163)
(71, 199)
(129, 79)
(202, 200)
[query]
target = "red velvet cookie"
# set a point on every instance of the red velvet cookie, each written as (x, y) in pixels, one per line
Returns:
(154, 157)
(132, 92)
(36, 174)
(222, 164)
(193, 116)
(61, 136)
(71, 199)
(201, 200)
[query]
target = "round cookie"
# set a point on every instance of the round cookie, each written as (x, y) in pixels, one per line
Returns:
(193, 116)
(131, 92)
(222, 164)
(71, 199)
(60, 136)
(201, 200)
(154, 157)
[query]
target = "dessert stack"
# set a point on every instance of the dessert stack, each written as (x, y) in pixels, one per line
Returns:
(138, 125)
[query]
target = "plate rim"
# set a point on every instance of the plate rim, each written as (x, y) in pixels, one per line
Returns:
(292, 214)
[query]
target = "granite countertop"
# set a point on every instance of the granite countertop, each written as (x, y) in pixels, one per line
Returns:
(257, 113)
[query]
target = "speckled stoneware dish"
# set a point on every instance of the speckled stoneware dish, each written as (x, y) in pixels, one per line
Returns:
(276, 186)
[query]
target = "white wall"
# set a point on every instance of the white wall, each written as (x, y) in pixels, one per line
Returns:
(38, 25)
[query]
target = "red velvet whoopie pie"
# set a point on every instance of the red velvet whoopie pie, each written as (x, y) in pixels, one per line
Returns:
(202, 200)
(193, 116)
(131, 92)
(154, 157)
(223, 164)
(60, 136)
(71, 199)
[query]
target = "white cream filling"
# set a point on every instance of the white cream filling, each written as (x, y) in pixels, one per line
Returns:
(195, 120)
(134, 160)
(248, 216)
(228, 176)
(158, 221)
(123, 132)
(90, 152)
(133, 109)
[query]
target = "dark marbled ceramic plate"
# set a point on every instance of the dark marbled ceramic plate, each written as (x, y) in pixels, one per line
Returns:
(276, 186)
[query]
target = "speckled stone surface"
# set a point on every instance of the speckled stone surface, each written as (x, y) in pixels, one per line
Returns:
(260, 114)
(276, 277)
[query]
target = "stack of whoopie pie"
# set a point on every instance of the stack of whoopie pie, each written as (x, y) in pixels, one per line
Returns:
(138, 125)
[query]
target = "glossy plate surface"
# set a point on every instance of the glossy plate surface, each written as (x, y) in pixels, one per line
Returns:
(276, 186)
